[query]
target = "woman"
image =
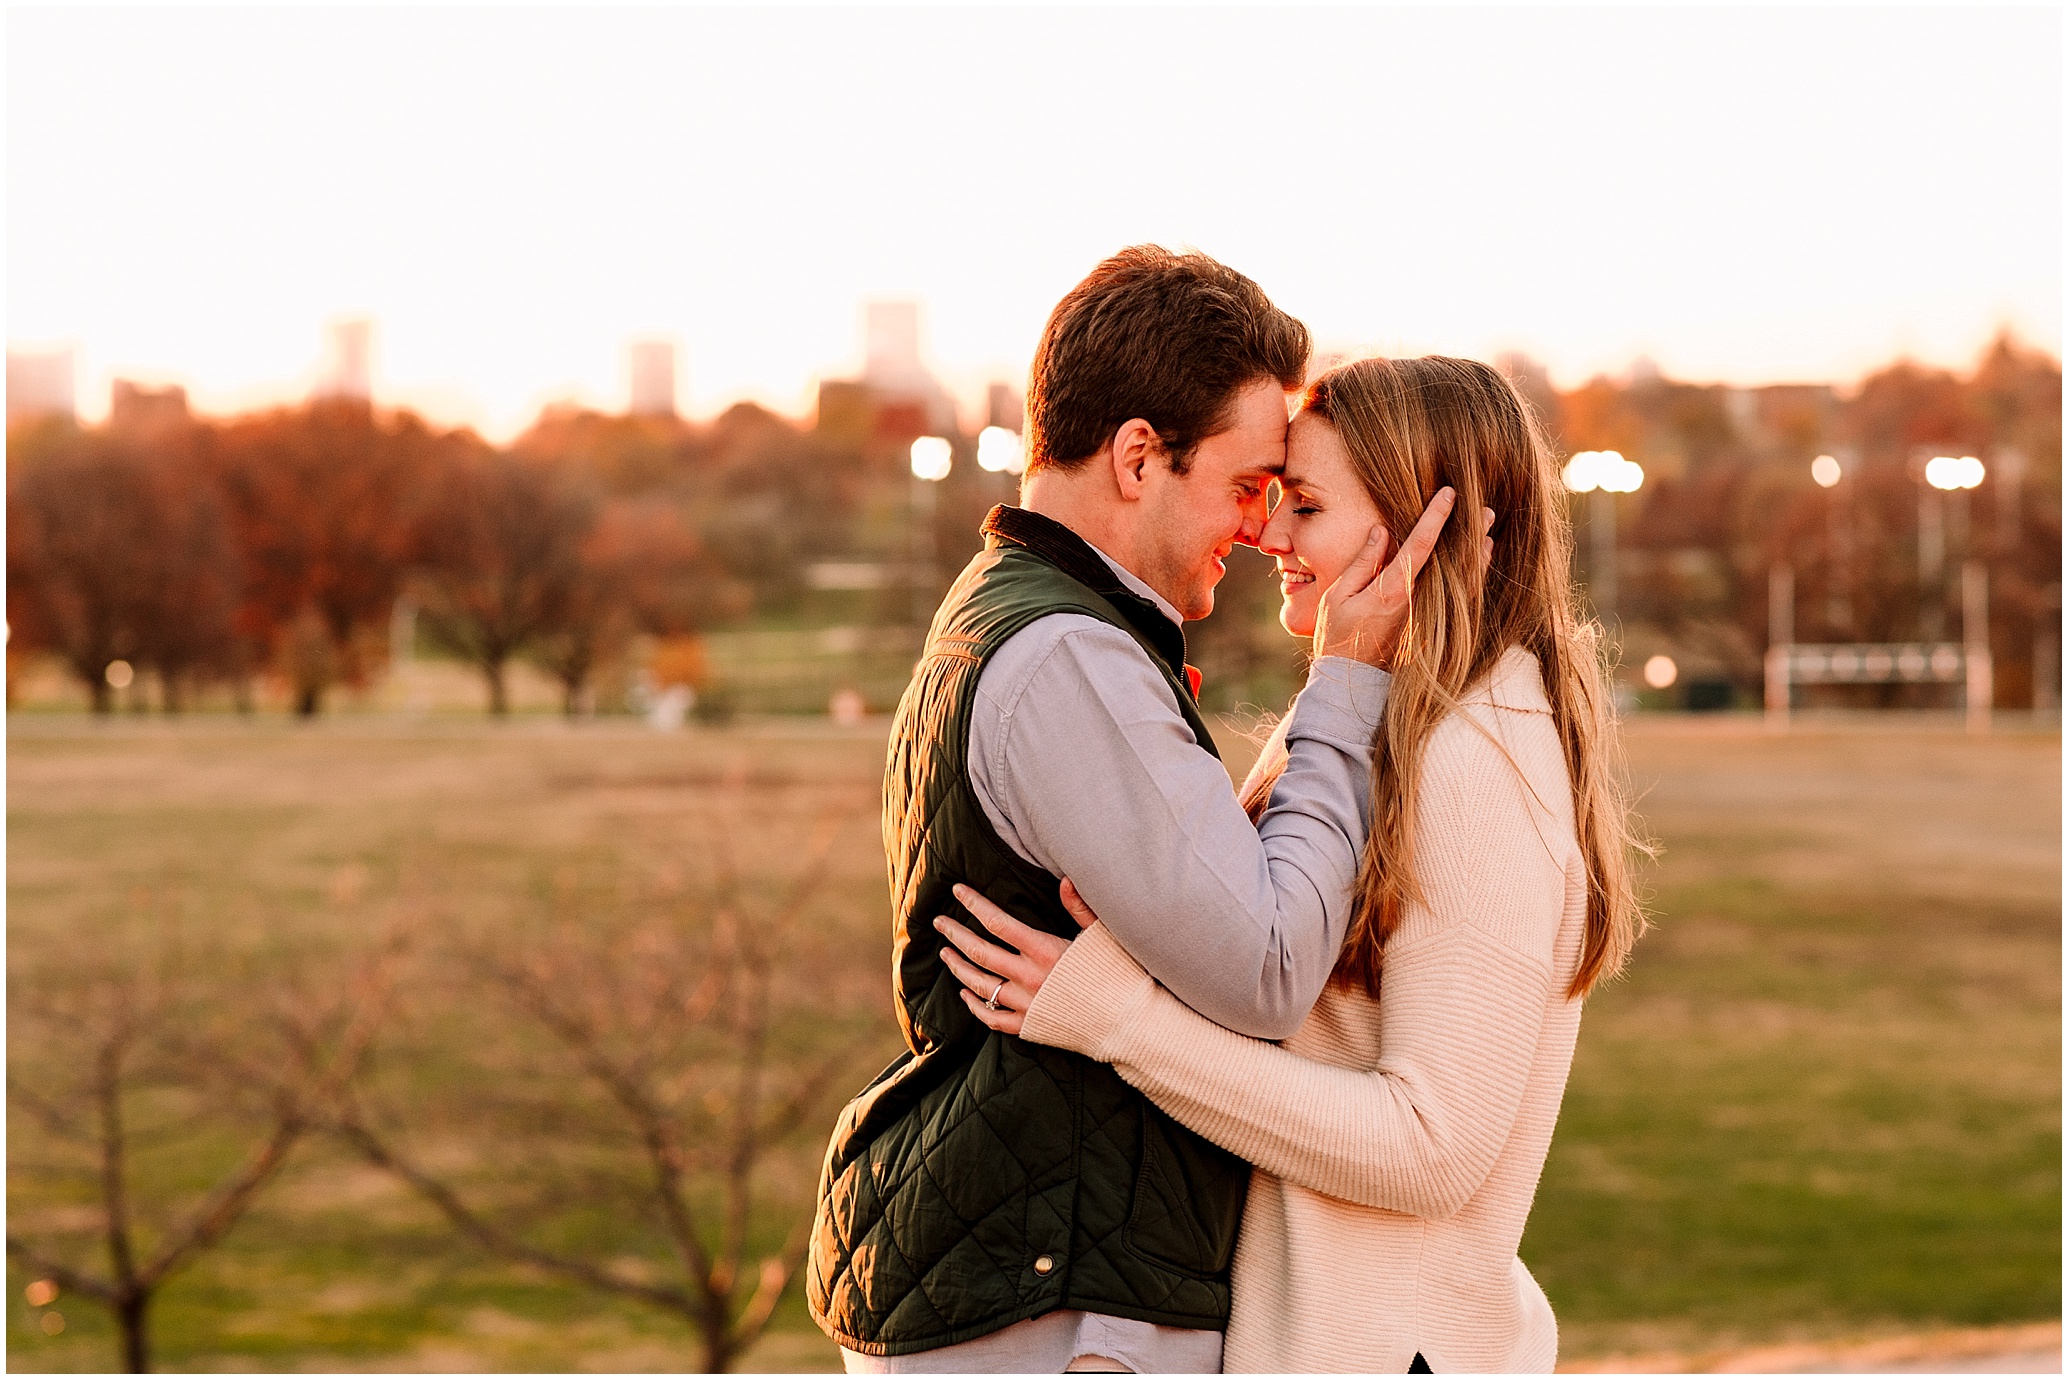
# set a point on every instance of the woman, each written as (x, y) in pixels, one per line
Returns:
(1398, 1139)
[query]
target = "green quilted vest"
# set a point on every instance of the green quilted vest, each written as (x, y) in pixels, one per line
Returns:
(981, 1180)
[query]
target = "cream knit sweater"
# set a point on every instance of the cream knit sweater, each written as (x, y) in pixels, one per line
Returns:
(1397, 1143)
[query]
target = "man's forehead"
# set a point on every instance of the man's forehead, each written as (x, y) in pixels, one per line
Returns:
(1271, 465)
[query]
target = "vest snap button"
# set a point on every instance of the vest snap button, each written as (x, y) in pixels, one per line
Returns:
(1043, 1264)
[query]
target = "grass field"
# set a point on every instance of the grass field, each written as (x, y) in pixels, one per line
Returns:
(1825, 1102)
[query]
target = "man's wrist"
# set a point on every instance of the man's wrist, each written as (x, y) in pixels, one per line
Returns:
(1342, 702)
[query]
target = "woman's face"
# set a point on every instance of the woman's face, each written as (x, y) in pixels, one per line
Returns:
(1322, 520)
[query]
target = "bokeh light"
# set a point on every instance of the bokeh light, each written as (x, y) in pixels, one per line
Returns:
(1826, 470)
(120, 674)
(932, 457)
(1954, 472)
(1660, 672)
(1602, 469)
(1000, 451)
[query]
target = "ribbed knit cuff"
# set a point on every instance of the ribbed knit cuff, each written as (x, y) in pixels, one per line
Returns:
(1087, 996)
(1340, 704)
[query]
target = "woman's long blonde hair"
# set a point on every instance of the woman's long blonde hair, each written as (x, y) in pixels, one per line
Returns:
(1412, 426)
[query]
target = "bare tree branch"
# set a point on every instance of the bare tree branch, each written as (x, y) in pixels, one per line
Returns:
(67, 1278)
(777, 1273)
(134, 1009)
(623, 1003)
(441, 1196)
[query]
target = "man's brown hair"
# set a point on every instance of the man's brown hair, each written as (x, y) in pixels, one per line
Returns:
(1169, 338)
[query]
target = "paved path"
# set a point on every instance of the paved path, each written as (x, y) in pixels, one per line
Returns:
(2024, 1349)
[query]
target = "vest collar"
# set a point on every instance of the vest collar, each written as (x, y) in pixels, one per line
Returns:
(1062, 548)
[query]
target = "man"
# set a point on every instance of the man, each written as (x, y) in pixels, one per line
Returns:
(992, 1206)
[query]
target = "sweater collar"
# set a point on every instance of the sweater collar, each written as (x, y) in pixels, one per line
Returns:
(1516, 682)
(1062, 548)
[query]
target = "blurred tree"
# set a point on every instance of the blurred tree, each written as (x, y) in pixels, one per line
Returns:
(77, 532)
(325, 502)
(640, 569)
(504, 546)
(119, 548)
(671, 1066)
(768, 500)
(133, 1076)
(1728, 495)
(625, 455)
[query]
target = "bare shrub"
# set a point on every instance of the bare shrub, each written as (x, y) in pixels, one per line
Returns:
(631, 1069)
(134, 1076)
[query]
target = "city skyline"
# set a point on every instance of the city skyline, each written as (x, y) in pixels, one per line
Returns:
(1738, 197)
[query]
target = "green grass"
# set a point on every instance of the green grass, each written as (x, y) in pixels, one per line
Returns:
(1825, 1099)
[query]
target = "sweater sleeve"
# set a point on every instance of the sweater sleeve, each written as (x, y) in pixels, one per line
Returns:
(1086, 767)
(1468, 981)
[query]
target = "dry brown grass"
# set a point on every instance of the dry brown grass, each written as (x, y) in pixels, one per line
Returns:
(1825, 1103)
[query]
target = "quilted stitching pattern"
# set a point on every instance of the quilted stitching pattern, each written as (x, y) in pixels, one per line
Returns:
(959, 1165)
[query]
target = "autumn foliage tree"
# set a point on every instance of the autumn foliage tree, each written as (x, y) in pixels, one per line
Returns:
(119, 549)
(326, 502)
(1728, 496)
(639, 569)
(505, 542)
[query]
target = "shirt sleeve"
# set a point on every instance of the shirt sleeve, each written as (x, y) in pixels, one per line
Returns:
(1465, 1003)
(1083, 762)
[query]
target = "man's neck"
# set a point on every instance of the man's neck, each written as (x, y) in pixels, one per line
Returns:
(1094, 516)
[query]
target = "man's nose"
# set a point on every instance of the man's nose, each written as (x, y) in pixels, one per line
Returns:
(1271, 537)
(1256, 519)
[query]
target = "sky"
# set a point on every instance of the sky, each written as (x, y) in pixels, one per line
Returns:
(512, 195)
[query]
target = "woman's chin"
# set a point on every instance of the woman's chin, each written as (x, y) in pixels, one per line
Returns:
(1297, 621)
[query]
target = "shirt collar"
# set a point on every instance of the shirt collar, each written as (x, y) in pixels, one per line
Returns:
(1139, 587)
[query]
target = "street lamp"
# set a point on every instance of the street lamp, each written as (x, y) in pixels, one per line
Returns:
(1954, 474)
(1603, 473)
(1951, 472)
(932, 458)
(1838, 608)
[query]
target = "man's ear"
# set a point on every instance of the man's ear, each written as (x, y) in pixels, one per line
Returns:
(1135, 448)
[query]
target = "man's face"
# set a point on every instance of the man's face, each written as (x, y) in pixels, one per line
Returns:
(1191, 521)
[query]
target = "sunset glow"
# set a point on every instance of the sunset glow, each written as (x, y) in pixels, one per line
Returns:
(513, 197)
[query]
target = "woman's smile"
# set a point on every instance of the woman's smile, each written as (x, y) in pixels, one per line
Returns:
(1323, 518)
(1291, 579)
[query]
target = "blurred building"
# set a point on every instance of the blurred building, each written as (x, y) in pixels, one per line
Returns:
(40, 383)
(891, 344)
(348, 363)
(653, 378)
(1004, 407)
(133, 407)
(896, 398)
